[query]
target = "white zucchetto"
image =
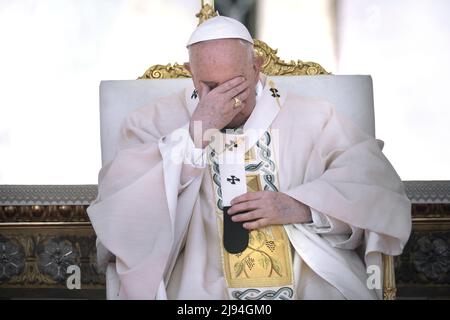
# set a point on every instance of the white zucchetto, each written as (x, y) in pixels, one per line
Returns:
(220, 27)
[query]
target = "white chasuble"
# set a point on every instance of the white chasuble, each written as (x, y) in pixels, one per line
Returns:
(161, 219)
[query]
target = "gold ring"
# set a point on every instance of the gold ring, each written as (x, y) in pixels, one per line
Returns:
(237, 103)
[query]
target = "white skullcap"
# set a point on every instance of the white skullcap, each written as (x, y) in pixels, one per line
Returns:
(220, 28)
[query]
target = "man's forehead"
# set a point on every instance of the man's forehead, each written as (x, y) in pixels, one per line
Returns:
(217, 44)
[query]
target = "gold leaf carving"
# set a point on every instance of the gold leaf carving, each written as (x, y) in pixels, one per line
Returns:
(168, 71)
(205, 13)
(274, 66)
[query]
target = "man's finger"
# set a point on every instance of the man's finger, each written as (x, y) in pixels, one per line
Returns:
(233, 92)
(226, 86)
(244, 206)
(258, 224)
(204, 89)
(244, 94)
(246, 197)
(249, 216)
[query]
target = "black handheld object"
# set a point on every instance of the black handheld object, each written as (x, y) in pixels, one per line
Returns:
(235, 236)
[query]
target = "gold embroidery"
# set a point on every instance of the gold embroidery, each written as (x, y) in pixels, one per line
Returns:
(250, 155)
(253, 183)
(265, 263)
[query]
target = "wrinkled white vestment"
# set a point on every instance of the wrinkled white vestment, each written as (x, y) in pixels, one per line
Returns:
(157, 217)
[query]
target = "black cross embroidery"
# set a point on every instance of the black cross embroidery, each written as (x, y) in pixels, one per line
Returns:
(233, 179)
(194, 94)
(231, 145)
(274, 93)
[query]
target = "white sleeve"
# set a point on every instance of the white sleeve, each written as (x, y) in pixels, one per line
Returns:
(338, 233)
(180, 156)
(325, 224)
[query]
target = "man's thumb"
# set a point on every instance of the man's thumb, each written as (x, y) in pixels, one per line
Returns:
(204, 88)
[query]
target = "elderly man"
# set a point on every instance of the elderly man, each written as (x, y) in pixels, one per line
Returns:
(240, 190)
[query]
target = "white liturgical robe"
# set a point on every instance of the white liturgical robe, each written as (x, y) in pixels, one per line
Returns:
(156, 210)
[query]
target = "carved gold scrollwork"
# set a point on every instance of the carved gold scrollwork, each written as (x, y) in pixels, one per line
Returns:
(205, 13)
(168, 71)
(274, 66)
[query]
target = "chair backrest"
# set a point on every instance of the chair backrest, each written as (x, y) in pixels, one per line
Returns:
(352, 96)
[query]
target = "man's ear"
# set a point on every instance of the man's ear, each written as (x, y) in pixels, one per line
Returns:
(187, 66)
(257, 63)
(258, 60)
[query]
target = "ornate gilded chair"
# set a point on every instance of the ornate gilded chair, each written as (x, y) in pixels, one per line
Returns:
(351, 95)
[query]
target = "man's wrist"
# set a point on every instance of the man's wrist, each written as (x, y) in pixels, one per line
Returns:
(304, 213)
(308, 214)
(196, 139)
(197, 132)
